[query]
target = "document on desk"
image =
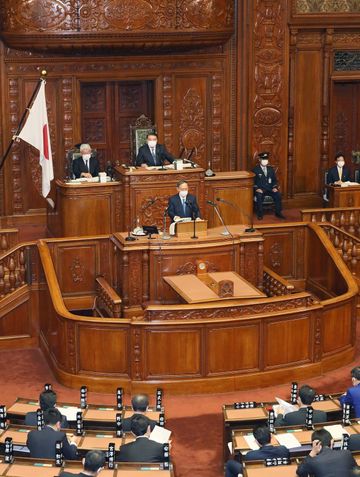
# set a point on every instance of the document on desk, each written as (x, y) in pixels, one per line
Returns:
(288, 440)
(251, 442)
(69, 412)
(285, 407)
(349, 183)
(336, 431)
(160, 434)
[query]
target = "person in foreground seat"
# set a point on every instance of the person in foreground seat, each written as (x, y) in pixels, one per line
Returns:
(142, 449)
(352, 395)
(297, 418)
(262, 436)
(323, 461)
(93, 463)
(47, 400)
(266, 183)
(140, 404)
(41, 444)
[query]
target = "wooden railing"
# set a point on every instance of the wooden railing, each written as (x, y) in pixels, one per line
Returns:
(13, 269)
(8, 239)
(107, 299)
(275, 285)
(347, 218)
(347, 245)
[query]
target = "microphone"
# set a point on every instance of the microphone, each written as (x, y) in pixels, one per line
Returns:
(181, 152)
(226, 231)
(188, 159)
(250, 218)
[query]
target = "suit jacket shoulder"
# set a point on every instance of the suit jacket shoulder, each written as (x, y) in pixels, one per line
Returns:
(141, 450)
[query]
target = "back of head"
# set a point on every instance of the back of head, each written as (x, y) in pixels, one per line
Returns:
(323, 436)
(307, 394)
(94, 460)
(47, 399)
(52, 416)
(262, 435)
(139, 425)
(355, 373)
(140, 402)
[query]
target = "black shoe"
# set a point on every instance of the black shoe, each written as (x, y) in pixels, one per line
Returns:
(260, 217)
(280, 215)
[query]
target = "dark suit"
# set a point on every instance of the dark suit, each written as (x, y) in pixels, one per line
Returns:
(352, 397)
(175, 207)
(126, 423)
(354, 442)
(31, 420)
(329, 463)
(141, 450)
(42, 444)
(145, 157)
(333, 175)
(298, 418)
(233, 468)
(266, 183)
(69, 474)
(78, 166)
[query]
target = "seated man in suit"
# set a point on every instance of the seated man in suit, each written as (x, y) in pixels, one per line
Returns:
(183, 204)
(152, 153)
(142, 449)
(140, 404)
(339, 173)
(323, 461)
(352, 395)
(265, 183)
(87, 165)
(93, 463)
(262, 436)
(47, 400)
(297, 418)
(41, 444)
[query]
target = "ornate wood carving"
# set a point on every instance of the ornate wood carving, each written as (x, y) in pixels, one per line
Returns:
(116, 21)
(191, 268)
(77, 270)
(326, 6)
(136, 354)
(192, 126)
(217, 88)
(15, 151)
(269, 96)
(168, 95)
(347, 60)
(67, 100)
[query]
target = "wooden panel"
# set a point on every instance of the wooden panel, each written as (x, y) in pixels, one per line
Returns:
(287, 342)
(103, 351)
(77, 267)
(174, 352)
(242, 343)
(336, 329)
(307, 122)
(280, 252)
(17, 321)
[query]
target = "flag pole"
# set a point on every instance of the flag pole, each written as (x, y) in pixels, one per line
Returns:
(13, 139)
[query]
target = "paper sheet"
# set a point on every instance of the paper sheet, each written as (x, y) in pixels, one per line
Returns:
(286, 407)
(160, 434)
(251, 442)
(69, 412)
(336, 431)
(349, 183)
(288, 440)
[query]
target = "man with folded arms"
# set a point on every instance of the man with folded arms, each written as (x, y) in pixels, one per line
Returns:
(323, 461)
(142, 449)
(42, 443)
(93, 463)
(262, 437)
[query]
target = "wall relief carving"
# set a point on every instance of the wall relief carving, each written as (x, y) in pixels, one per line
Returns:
(326, 6)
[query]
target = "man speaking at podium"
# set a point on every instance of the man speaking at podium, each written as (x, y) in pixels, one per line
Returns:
(87, 165)
(152, 153)
(183, 204)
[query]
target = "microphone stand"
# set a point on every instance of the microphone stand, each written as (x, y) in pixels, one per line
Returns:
(226, 232)
(193, 217)
(251, 220)
(162, 163)
(165, 235)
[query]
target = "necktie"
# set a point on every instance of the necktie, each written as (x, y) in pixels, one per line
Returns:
(340, 172)
(265, 171)
(153, 155)
(87, 165)
(184, 206)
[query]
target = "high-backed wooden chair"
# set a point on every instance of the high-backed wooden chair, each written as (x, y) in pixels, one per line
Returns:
(138, 132)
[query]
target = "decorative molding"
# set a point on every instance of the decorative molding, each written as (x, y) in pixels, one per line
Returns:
(77, 270)
(347, 60)
(217, 123)
(190, 268)
(67, 102)
(309, 7)
(168, 107)
(276, 255)
(136, 354)
(18, 196)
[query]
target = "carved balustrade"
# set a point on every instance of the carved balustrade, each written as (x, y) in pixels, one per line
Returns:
(347, 218)
(275, 285)
(347, 245)
(107, 300)
(13, 270)
(8, 239)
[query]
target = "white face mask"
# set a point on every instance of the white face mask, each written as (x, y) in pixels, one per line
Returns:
(341, 164)
(86, 156)
(183, 193)
(264, 162)
(152, 143)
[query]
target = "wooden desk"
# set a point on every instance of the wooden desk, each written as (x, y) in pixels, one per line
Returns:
(344, 196)
(89, 208)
